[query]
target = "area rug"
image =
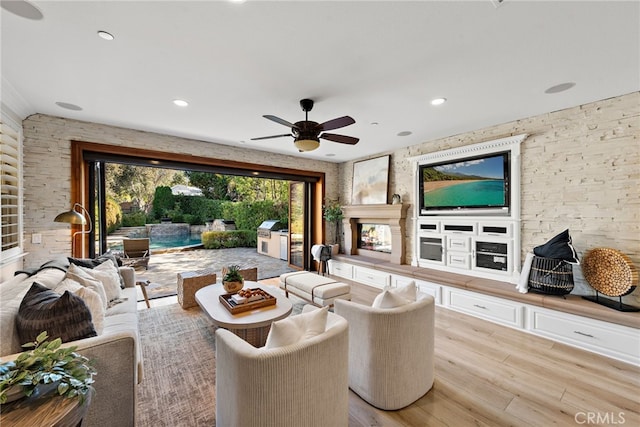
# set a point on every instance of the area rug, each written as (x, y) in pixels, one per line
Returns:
(178, 350)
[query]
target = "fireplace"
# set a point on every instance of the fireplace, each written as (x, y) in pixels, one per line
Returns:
(374, 237)
(387, 222)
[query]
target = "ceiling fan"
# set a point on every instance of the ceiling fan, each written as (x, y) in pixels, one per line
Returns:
(306, 133)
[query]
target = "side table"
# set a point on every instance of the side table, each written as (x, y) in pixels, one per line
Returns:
(189, 282)
(143, 284)
(47, 410)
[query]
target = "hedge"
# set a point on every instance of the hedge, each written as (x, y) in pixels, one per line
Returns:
(229, 239)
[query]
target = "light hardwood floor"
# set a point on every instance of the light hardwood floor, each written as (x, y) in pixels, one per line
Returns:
(491, 375)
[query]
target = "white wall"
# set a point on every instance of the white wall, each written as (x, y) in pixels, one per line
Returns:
(47, 171)
(580, 170)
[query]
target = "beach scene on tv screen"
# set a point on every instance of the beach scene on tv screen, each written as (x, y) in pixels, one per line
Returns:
(469, 183)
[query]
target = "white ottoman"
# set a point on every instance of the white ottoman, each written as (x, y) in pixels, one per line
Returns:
(318, 290)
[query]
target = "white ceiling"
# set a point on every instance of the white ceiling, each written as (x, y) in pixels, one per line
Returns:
(379, 62)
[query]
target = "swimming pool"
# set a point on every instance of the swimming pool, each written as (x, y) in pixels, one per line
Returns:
(160, 243)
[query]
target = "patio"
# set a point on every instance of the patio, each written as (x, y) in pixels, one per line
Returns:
(164, 267)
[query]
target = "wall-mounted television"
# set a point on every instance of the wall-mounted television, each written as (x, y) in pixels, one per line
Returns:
(470, 185)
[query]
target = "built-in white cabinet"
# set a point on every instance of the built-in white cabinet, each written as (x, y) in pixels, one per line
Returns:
(371, 277)
(479, 247)
(340, 269)
(617, 341)
(498, 310)
(608, 339)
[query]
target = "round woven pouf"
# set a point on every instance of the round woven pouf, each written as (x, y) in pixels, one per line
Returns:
(609, 272)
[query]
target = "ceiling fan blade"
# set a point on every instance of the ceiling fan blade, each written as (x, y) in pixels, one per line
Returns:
(279, 120)
(272, 136)
(343, 139)
(340, 122)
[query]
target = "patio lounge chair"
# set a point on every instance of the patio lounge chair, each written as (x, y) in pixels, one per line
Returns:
(136, 252)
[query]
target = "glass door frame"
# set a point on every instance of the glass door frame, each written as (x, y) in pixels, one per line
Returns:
(84, 153)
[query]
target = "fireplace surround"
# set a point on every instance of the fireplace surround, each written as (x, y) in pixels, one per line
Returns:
(392, 215)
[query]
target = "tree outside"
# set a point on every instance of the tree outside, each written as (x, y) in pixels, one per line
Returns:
(146, 193)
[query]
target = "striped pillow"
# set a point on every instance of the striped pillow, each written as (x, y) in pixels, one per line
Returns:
(63, 316)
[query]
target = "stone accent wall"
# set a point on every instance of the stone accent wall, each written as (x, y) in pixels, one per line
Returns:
(47, 171)
(580, 170)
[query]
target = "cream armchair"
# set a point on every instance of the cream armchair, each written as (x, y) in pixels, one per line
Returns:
(390, 351)
(303, 384)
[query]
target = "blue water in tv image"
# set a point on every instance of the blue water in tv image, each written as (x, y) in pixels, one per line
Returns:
(477, 193)
(470, 183)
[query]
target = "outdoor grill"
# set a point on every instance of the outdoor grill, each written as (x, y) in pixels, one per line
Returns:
(268, 226)
(268, 238)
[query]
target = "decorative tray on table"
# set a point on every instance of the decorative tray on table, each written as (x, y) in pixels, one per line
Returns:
(247, 299)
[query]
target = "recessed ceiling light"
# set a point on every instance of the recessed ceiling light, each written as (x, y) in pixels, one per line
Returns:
(405, 133)
(560, 88)
(23, 9)
(106, 36)
(374, 123)
(330, 155)
(438, 101)
(237, 1)
(69, 106)
(180, 102)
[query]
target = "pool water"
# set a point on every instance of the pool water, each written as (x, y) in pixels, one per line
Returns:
(166, 242)
(174, 242)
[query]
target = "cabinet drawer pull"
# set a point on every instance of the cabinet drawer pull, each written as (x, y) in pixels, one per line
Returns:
(583, 334)
(480, 306)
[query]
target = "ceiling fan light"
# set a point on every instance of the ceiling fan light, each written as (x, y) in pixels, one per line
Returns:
(306, 144)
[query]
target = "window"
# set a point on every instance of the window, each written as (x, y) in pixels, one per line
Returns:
(10, 188)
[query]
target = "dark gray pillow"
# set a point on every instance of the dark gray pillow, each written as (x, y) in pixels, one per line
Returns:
(63, 316)
(94, 262)
(559, 247)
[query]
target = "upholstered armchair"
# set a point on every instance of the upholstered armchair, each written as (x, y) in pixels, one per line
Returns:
(390, 351)
(302, 384)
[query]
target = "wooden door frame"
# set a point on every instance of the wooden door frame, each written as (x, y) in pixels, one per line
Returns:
(80, 189)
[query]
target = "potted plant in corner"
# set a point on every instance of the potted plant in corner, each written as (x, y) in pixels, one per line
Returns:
(333, 215)
(232, 280)
(44, 368)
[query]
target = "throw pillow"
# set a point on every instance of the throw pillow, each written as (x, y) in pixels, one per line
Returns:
(559, 247)
(110, 279)
(396, 297)
(79, 275)
(408, 291)
(90, 298)
(63, 316)
(297, 328)
(94, 262)
(388, 299)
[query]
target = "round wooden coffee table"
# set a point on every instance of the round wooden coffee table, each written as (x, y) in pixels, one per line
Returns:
(253, 325)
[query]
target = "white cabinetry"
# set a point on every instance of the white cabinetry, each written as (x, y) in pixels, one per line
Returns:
(609, 339)
(617, 341)
(368, 276)
(507, 312)
(481, 247)
(341, 269)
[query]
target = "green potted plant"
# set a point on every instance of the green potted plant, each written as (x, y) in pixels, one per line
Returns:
(232, 280)
(45, 366)
(332, 212)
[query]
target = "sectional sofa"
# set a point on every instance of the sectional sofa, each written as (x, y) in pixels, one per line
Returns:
(115, 351)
